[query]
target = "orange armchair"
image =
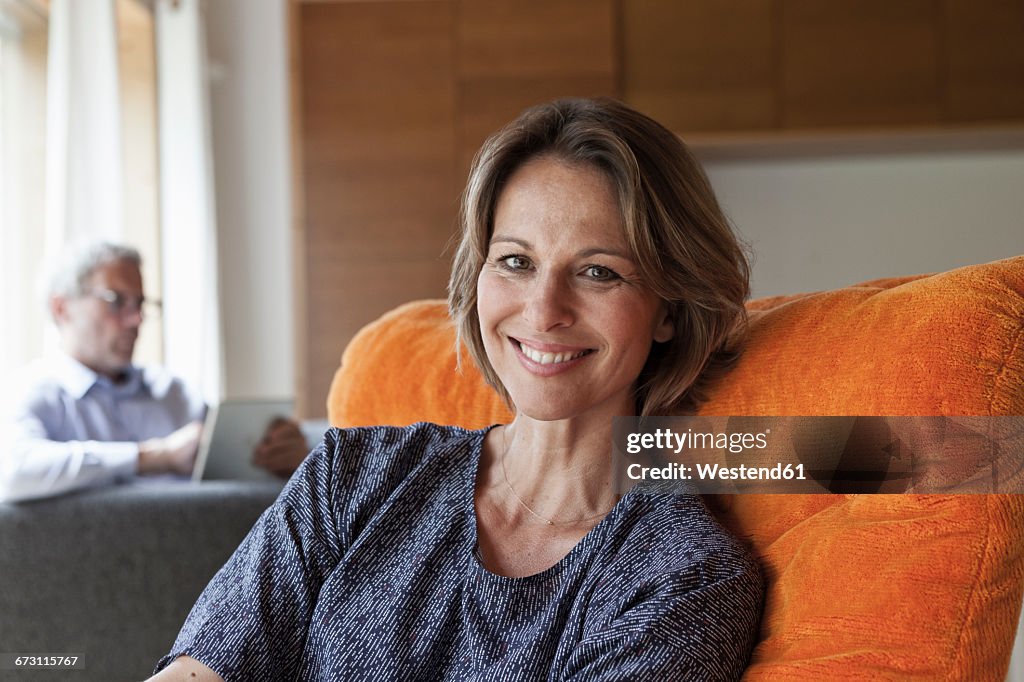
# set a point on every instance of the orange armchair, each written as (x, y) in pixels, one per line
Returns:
(859, 586)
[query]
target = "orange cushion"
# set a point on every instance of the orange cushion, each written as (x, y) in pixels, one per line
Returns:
(876, 586)
(401, 369)
(859, 586)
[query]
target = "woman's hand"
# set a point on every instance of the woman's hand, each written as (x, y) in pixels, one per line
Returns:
(185, 669)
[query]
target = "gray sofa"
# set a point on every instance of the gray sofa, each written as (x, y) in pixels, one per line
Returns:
(109, 575)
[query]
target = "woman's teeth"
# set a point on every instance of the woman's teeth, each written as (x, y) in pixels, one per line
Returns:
(549, 358)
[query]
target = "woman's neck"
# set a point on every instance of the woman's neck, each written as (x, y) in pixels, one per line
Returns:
(558, 469)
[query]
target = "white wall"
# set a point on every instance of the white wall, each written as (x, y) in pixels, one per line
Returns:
(249, 100)
(820, 223)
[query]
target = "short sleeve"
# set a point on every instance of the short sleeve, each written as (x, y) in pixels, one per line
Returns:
(694, 616)
(250, 622)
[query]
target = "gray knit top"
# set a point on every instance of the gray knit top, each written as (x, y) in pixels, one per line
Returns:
(365, 569)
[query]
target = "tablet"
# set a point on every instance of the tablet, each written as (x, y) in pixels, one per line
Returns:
(230, 432)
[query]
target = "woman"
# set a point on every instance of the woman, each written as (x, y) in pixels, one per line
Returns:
(596, 277)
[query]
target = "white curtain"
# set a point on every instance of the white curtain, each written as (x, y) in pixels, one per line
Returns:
(22, 112)
(192, 333)
(84, 176)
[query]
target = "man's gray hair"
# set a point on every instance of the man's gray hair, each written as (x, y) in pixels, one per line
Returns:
(77, 263)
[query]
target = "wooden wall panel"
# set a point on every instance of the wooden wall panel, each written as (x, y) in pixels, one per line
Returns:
(702, 64)
(535, 38)
(347, 294)
(378, 111)
(985, 43)
(515, 53)
(395, 98)
(857, 62)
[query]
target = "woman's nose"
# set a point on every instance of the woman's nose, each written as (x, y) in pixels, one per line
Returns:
(549, 304)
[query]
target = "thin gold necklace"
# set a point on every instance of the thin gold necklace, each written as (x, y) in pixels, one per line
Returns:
(527, 507)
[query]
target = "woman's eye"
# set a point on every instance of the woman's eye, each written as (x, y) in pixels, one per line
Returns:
(515, 262)
(600, 273)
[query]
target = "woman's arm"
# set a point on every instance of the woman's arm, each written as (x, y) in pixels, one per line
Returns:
(700, 623)
(185, 669)
(254, 614)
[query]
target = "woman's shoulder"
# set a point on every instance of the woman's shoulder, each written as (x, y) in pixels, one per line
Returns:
(666, 532)
(380, 457)
(383, 443)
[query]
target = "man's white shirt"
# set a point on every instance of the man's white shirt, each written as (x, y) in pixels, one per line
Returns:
(65, 427)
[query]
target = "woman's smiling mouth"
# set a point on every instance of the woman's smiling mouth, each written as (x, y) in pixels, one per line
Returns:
(548, 356)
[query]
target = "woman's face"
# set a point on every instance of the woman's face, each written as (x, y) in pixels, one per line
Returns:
(566, 322)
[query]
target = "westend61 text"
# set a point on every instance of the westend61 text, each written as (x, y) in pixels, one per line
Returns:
(667, 439)
(708, 472)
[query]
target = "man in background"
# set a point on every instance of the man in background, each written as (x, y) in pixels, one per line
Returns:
(90, 417)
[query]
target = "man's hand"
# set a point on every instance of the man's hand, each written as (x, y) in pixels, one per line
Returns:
(174, 454)
(282, 448)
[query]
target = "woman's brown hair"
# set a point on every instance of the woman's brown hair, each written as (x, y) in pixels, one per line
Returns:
(683, 245)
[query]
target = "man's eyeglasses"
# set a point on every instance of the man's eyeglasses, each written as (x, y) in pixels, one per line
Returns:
(122, 306)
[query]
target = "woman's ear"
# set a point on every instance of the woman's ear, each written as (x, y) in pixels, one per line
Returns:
(666, 328)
